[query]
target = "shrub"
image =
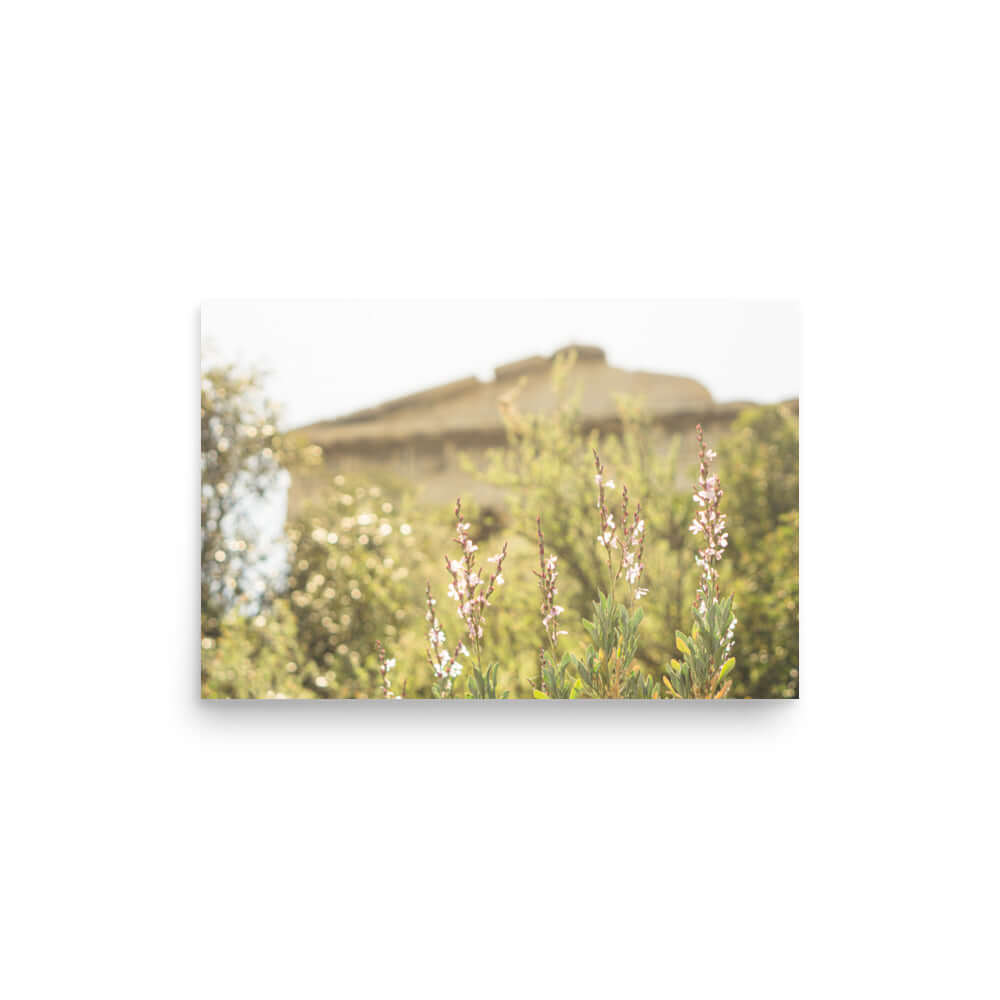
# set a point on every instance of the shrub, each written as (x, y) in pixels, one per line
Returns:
(536, 469)
(258, 656)
(761, 458)
(364, 566)
(351, 581)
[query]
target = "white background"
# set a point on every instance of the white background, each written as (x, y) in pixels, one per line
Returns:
(324, 359)
(843, 155)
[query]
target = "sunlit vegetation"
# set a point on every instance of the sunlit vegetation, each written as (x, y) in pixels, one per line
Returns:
(605, 578)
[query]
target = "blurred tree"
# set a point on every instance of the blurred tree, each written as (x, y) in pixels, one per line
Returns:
(258, 656)
(759, 464)
(352, 580)
(243, 462)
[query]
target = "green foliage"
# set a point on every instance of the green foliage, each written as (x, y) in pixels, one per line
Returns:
(259, 656)
(557, 681)
(706, 665)
(482, 684)
(542, 470)
(513, 633)
(607, 669)
(351, 582)
(443, 688)
(360, 554)
(760, 460)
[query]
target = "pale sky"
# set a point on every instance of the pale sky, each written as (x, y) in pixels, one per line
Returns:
(327, 358)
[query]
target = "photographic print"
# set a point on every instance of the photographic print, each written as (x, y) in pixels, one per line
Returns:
(499, 500)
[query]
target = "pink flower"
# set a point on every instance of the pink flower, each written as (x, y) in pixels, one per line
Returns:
(708, 521)
(547, 575)
(629, 538)
(469, 588)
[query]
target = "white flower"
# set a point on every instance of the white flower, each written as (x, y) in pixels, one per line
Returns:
(609, 484)
(390, 663)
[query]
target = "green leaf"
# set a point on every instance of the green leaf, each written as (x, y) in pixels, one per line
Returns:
(669, 686)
